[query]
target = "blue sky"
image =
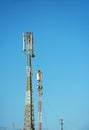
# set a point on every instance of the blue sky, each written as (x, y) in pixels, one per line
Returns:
(61, 46)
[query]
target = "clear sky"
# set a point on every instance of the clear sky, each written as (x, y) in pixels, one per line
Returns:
(61, 46)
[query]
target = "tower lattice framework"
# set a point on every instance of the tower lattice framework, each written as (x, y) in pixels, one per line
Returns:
(29, 107)
(40, 93)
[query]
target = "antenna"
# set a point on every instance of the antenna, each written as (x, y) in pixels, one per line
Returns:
(28, 43)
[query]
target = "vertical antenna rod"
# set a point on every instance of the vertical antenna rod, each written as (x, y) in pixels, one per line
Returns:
(29, 108)
(61, 123)
(39, 87)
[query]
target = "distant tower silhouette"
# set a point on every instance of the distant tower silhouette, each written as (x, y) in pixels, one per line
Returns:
(13, 126)
(61, 123)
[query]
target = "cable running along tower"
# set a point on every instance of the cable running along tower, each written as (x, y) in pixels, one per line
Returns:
(29, 108)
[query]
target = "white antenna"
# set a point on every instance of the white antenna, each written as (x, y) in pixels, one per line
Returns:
(28, 43)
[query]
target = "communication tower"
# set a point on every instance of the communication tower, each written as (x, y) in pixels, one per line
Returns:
(61, 123)
(39, 87)
(29, 108)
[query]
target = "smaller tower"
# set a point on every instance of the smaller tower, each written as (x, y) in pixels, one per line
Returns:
(61, 123)
(39, 87)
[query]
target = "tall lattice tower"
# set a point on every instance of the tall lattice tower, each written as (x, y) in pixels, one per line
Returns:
(29, 108)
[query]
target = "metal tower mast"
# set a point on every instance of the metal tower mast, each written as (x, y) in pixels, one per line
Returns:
(39, 87)
(61, 123)
(29, 108)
